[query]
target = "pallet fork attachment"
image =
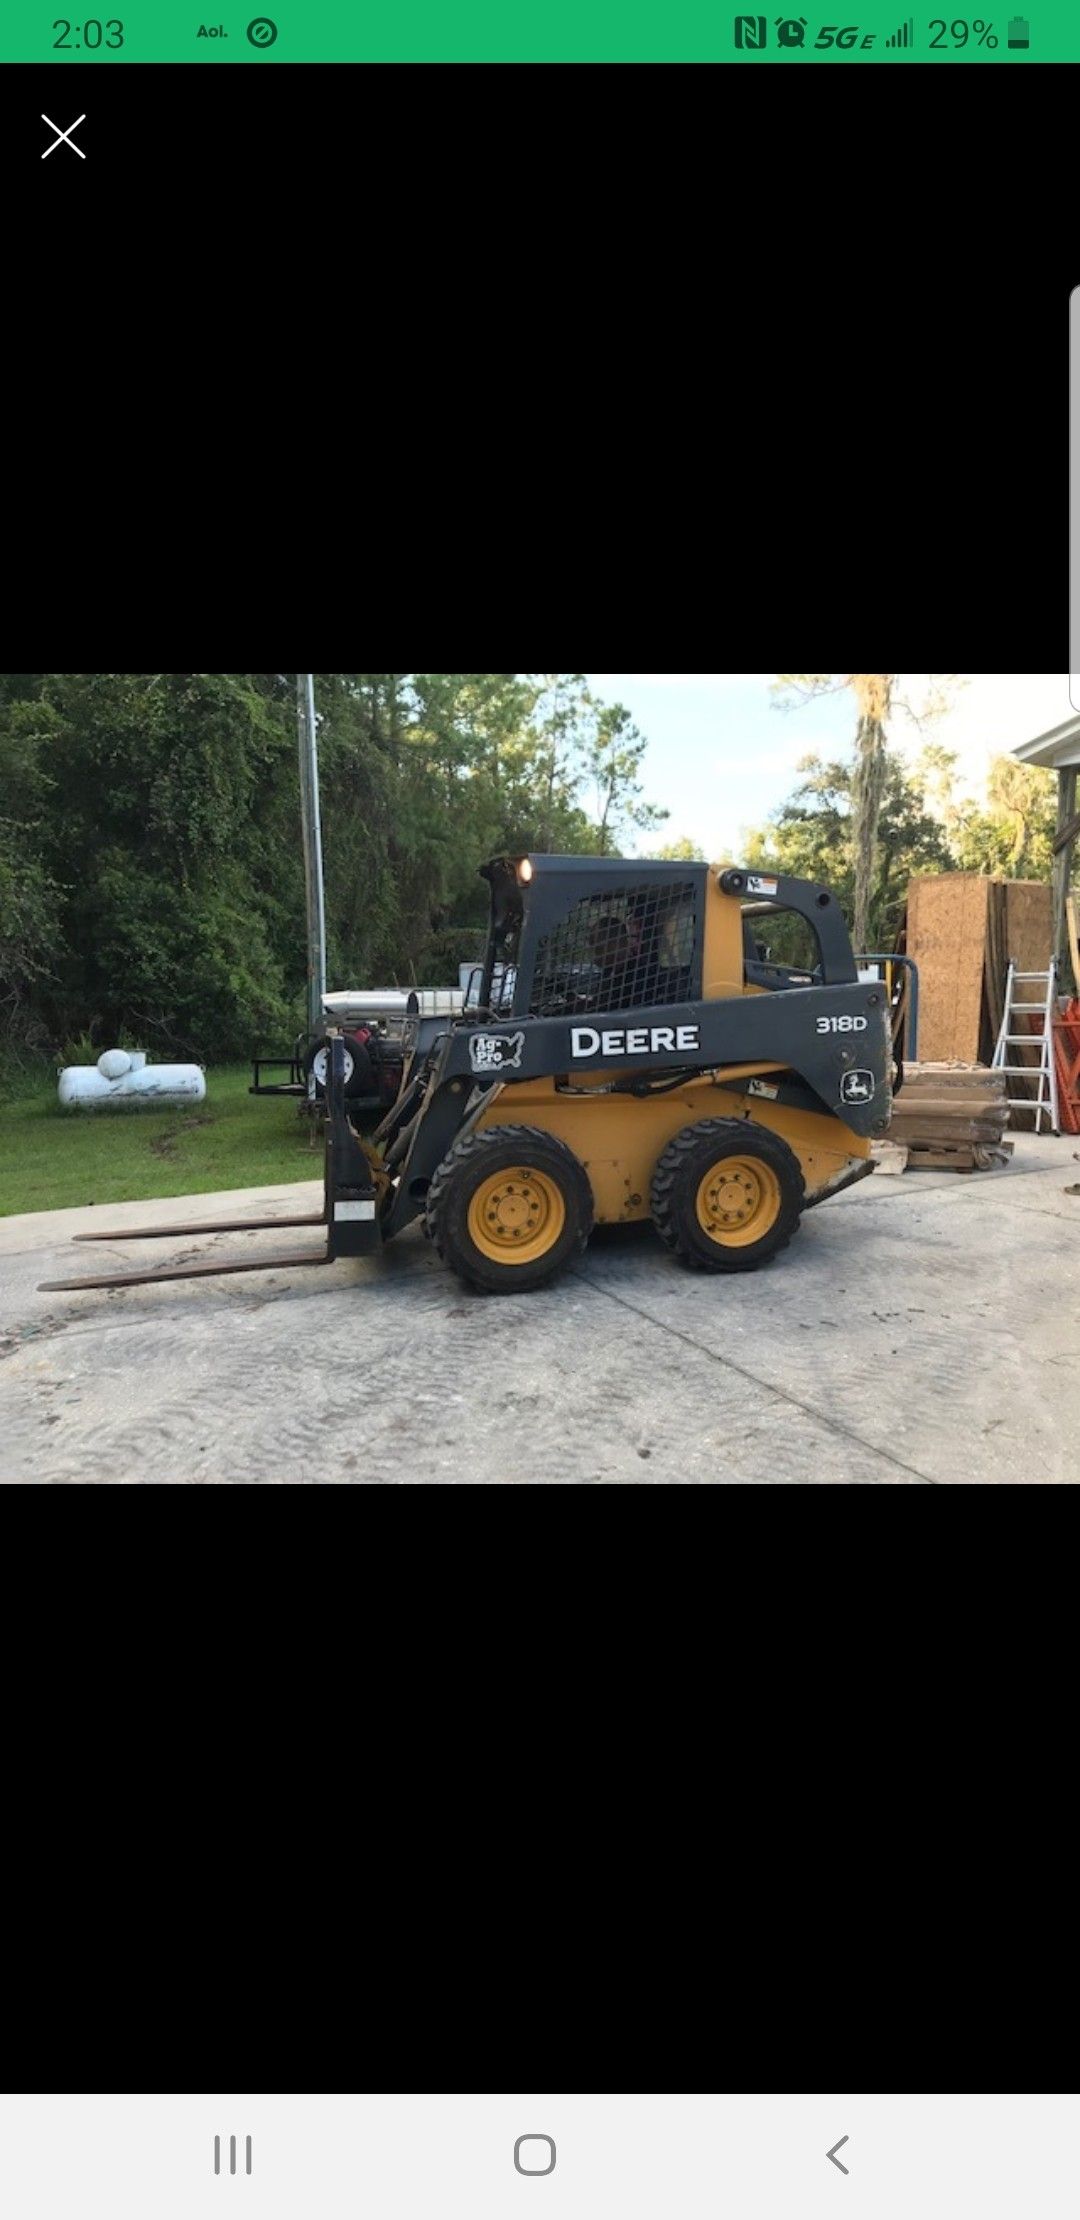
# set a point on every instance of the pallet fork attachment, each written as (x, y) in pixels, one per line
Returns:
(349, 1212)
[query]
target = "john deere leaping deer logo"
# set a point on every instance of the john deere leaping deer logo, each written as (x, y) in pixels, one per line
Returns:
(494, 1052)
(857, 1086)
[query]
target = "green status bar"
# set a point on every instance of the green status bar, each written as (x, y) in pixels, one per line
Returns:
(541, 31)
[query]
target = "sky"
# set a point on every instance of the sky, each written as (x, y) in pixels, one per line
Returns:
(721, 756)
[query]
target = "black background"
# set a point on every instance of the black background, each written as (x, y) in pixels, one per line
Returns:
(721, 358)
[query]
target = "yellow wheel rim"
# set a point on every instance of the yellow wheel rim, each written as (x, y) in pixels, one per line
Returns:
(738, 1201)
(516, 1217)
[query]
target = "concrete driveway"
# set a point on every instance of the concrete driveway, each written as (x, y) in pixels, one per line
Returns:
(922, 1330)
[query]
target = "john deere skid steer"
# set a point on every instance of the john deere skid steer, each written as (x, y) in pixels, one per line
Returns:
(642, 1040)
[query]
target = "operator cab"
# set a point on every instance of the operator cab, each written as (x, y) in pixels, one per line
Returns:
(575, 936)
(572, 936)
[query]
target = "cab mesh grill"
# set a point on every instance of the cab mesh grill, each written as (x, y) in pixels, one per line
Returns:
(627, 951)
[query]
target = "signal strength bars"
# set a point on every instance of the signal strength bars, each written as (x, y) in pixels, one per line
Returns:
(905, 36)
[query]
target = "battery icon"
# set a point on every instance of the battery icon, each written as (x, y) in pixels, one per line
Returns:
(1019, 31)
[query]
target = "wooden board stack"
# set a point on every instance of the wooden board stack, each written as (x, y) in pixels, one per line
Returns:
(951, 1117)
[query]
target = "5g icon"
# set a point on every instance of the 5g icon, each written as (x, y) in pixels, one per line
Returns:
(750, 30)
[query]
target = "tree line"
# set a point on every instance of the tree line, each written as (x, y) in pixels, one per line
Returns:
(151, 871)
(867, 825)
(926, 822)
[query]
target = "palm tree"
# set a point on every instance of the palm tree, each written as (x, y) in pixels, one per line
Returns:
(873, 698)
(874, 701)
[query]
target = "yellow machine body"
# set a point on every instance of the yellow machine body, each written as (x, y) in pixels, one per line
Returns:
(619, 1138)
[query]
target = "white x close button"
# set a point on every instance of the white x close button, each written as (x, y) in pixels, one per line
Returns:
(64, 138)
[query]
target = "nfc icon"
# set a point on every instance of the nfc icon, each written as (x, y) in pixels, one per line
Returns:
(529, 2169)
(750, 30)
(232, 2154)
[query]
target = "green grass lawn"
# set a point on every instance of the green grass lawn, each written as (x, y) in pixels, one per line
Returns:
(52, 1158)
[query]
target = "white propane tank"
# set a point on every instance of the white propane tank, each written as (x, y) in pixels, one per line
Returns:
(118, 1077)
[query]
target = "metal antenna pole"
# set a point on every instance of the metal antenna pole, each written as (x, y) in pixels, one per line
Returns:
(313, 866)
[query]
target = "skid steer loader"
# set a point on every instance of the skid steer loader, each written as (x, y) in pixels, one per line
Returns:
(654, 1039)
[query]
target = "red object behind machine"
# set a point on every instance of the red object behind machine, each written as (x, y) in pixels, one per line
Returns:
(1067, 1060)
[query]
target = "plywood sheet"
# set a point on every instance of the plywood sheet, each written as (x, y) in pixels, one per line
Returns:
(1028, 925)
(946, 936)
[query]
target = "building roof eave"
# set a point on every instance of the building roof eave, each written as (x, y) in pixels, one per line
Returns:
(1056, 750)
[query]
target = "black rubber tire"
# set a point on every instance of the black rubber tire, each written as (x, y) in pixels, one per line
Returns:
(476, 1158)
(678, 1177)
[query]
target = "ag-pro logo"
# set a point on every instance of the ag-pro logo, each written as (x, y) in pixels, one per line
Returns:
(750, 30)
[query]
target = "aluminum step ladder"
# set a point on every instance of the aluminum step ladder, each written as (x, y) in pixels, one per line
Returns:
(1045, 1104)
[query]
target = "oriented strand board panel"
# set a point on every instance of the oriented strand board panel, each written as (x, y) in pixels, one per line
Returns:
(1028, 926)
(946, 936)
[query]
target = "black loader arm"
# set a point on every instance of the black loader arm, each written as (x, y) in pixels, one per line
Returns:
(836, 1040)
